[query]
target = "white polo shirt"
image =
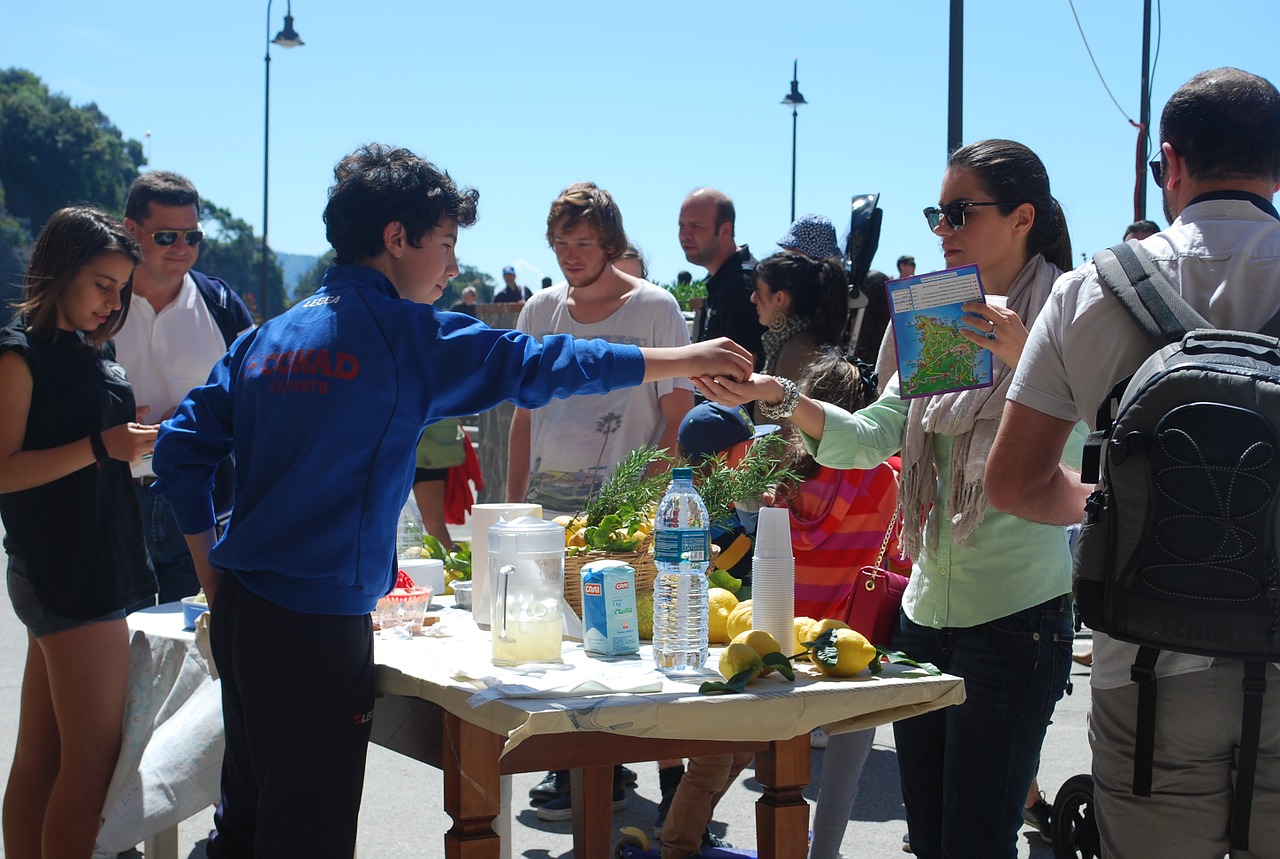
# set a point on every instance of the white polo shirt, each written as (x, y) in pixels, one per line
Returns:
(168, 353)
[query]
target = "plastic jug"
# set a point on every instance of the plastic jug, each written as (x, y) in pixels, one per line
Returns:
(526, 572)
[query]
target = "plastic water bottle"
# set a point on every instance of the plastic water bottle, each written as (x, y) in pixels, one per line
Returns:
(682, 551)
(409, 531)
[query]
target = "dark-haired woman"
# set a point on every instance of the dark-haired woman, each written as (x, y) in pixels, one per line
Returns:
(802, 303)
(73, 533)
(988, 598)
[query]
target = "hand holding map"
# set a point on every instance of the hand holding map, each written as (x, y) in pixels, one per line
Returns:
(937, 352)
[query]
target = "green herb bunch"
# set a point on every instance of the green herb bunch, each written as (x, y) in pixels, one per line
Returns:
(759, 471)
(630, 489)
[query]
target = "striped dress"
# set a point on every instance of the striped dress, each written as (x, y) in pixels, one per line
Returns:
(838, 520)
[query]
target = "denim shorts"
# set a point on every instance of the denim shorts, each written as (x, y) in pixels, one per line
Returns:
(34, 616)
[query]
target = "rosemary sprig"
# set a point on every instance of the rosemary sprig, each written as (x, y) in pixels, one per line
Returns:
(759, 471)
(630, 486)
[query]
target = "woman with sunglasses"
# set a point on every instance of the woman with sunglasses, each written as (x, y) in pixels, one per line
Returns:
(988, 598)
(73, 532)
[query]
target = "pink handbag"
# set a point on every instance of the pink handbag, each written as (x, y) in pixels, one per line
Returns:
(876, 597)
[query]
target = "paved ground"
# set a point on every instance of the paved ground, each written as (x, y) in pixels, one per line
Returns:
(401, 815)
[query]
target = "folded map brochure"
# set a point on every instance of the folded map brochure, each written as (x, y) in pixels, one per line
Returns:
(933, 357)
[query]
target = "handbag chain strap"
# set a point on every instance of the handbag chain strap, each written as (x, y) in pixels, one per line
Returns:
(888, 535)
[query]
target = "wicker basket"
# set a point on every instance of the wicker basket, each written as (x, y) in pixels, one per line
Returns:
(640, 560)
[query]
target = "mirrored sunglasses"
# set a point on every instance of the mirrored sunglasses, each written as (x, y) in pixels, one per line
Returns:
(165, 238)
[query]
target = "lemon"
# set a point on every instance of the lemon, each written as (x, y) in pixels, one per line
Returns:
(739, 619)
(823, 625)
(854, 653)
(802, 634)
(644, 614)
(563, 521)
(738, 658)
(761, 642)
(720, 603)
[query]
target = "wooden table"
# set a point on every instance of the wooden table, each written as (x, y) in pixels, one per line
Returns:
(423, 712)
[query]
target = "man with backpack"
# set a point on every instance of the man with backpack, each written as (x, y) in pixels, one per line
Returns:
(1219, 167)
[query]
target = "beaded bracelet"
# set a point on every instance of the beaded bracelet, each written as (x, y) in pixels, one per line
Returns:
(790, 399)
(99, 448)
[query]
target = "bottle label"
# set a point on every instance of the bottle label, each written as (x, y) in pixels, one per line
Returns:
(674, 545)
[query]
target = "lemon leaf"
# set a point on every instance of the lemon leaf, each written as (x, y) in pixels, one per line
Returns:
(823, 648)
(897, 657)
(781, 663)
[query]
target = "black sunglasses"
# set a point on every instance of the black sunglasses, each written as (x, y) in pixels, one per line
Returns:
(166, 238)
(1157, 170)
(954, 213)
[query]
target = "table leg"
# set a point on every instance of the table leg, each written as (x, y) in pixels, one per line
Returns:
(782, 814)
(472, 789)
(591, 790)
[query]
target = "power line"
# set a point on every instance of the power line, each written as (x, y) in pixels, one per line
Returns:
(1095, 63)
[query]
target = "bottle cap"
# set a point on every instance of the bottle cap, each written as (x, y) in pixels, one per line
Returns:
(682, 473)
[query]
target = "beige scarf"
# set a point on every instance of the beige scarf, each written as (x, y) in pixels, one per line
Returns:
(972, 418)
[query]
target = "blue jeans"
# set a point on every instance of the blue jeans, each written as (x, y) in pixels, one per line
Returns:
(175, 571)
(966, 770)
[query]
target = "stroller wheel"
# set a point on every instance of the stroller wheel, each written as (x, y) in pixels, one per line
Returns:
(1075, 832)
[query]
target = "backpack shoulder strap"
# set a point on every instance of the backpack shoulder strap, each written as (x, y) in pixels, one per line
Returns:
(1255, 685)
(1143, 673)
(1143, 291)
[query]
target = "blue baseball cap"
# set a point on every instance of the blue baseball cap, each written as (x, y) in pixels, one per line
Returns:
(710, 428)
(508, 269)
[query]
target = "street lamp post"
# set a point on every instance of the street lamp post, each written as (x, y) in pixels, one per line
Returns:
(286, 38)
(794, 99)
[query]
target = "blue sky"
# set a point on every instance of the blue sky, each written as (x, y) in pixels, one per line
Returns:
(649, 100)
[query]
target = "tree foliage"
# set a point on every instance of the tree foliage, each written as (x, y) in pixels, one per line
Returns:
(468, 275)
(311, 280)
(233, 252)
(15, 245)
(53, 153)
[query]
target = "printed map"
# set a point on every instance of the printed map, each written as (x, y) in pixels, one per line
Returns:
(933, 357)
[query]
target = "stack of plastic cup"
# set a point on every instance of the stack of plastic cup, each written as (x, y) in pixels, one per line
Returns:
(773, 577)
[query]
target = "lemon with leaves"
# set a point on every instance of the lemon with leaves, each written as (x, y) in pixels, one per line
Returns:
(841, 652)
(740, 658)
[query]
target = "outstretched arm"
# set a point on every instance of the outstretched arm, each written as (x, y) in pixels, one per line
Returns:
(1025, 476)
(808, 416)
(720, 357)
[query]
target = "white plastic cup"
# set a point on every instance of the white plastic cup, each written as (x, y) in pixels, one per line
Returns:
(482, 517)
(773, 535)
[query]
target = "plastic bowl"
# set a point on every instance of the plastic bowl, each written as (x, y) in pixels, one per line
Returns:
(192, 609)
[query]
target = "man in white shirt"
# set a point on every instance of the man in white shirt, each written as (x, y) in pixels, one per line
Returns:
(1219, 168)
(180, 323)
(560, 453)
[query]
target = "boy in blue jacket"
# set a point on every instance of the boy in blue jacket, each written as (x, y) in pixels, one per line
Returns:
(322, 408)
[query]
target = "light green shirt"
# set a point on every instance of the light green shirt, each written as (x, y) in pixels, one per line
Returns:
(1011, 564)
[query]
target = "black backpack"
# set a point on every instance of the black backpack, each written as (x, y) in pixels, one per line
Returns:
(1178, 549)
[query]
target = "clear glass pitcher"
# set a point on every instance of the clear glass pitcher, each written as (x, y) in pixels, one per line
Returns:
(526, 571)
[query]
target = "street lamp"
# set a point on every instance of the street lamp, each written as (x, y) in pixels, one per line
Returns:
(286, 38)
(794, 99)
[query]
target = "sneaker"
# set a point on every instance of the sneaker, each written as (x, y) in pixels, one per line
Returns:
(710, 839)
(551, 786)
(906, 843)
(561, 808)
(817, 739)
(1038, 817)
(663, 807)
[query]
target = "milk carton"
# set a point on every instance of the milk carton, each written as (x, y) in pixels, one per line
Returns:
(609, 622)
